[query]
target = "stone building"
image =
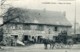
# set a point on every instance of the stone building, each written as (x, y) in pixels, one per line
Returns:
(29, 23)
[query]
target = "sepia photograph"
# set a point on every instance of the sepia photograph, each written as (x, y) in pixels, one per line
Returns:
(39, 26)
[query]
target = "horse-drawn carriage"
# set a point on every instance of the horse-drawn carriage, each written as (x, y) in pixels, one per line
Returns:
(60, 41)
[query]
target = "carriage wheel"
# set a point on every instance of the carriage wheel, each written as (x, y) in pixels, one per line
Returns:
(58, 46)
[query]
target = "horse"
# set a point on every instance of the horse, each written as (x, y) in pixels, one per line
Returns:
(52, 43)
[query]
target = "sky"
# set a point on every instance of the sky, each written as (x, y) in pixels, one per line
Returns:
(53, 5)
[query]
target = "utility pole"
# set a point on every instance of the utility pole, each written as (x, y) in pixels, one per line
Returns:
(75, 20)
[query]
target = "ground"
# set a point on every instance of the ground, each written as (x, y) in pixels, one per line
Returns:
(39, 48)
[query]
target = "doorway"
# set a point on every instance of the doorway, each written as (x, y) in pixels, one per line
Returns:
(26, 37)
(39, 39)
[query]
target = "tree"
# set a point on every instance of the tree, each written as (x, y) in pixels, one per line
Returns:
(2, 2)
(12, 14)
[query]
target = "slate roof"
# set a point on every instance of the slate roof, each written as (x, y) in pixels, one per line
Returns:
(40, 17)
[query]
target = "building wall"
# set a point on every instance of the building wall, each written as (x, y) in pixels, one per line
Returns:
(32, 30)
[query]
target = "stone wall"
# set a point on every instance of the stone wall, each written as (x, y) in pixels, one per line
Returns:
(48, 30)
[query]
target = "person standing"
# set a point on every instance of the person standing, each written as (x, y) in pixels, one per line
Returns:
(45, 41)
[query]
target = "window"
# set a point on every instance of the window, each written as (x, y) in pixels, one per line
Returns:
(40, 27)
(49, 31)
(15, 36)
(13, 26)
(55, 28)
(19, 26)
(26, 27)
(33, 27)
